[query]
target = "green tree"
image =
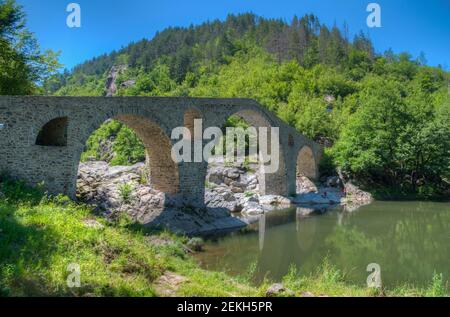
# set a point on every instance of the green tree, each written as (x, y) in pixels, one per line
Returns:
(367, 144)
(22, 65)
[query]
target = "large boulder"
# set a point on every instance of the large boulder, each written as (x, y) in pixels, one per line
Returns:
(252, 208)
(275, 200)
(224, 199)
(305, 185)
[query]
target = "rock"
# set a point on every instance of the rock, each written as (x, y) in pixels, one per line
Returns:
(224, 199)
(234, 190)
(159, 241)
(333, 181)
(92, 223)
(304, 185)
(111, 87)
(354, 194)
(128, 83)
(223, 175)
(252, 208)
(168, 284)
(329, 99)
(237, 189)
(278, 290)
(324, 196)
(307, 294)
(274, 200)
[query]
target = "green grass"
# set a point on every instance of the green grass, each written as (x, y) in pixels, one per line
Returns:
(41, 236)
(330, 281)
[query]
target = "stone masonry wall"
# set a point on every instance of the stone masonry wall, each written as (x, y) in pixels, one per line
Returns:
(153, 118)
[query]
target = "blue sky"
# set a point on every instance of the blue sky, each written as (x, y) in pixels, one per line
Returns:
(407, 25)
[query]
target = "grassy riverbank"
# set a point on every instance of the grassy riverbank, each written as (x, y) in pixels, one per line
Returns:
(40, 237)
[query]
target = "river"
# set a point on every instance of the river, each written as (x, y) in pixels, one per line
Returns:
(408, 240)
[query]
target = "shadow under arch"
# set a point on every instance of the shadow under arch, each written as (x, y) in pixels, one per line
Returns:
(306, 163)
(53, 133)
(161, 170)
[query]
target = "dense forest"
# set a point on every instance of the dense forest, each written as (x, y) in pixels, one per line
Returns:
(383, 117)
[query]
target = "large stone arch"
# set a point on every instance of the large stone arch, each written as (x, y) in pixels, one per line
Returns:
(270, 183)
(163, 172)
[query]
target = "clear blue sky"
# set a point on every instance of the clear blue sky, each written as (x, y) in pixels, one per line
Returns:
(407, 25)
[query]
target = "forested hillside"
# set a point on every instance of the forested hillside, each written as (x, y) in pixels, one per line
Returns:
(384, 117)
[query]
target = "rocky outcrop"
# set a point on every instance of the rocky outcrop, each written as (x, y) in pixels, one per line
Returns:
(229, 190)
(355, 197)
(277, 290)
(110, 85)
(236, 189)
(334, 190)
(111, 80)
(120, 189)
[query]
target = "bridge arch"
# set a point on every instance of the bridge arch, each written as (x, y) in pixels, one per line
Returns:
(161, 170)
(53, 133)
(306, 163)
(270, 182)
(57, 166)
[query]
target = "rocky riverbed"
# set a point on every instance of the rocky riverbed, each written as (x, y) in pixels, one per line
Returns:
(231, 197)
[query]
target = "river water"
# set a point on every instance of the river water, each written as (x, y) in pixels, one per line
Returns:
(408, 240)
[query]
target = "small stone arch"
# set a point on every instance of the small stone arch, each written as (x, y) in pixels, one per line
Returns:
(273, 183)
(53, 133)
(162, 170)
(306, 163)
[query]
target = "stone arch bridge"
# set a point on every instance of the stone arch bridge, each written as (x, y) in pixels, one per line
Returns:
(42, 138)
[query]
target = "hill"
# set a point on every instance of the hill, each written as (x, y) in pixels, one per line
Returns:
(384, 116)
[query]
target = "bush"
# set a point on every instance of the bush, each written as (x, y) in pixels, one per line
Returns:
(125, 192)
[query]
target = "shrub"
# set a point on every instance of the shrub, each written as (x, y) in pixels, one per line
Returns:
(125, 192)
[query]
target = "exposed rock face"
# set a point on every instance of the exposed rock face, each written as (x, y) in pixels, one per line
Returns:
(110, 85)
(335, 190)
(128, 83)
(229, 189)
(236, 189)
(107, 187)
(355, 197)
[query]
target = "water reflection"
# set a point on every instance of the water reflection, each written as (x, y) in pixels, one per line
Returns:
(305, 227)
(410, 240)
(262, 230)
